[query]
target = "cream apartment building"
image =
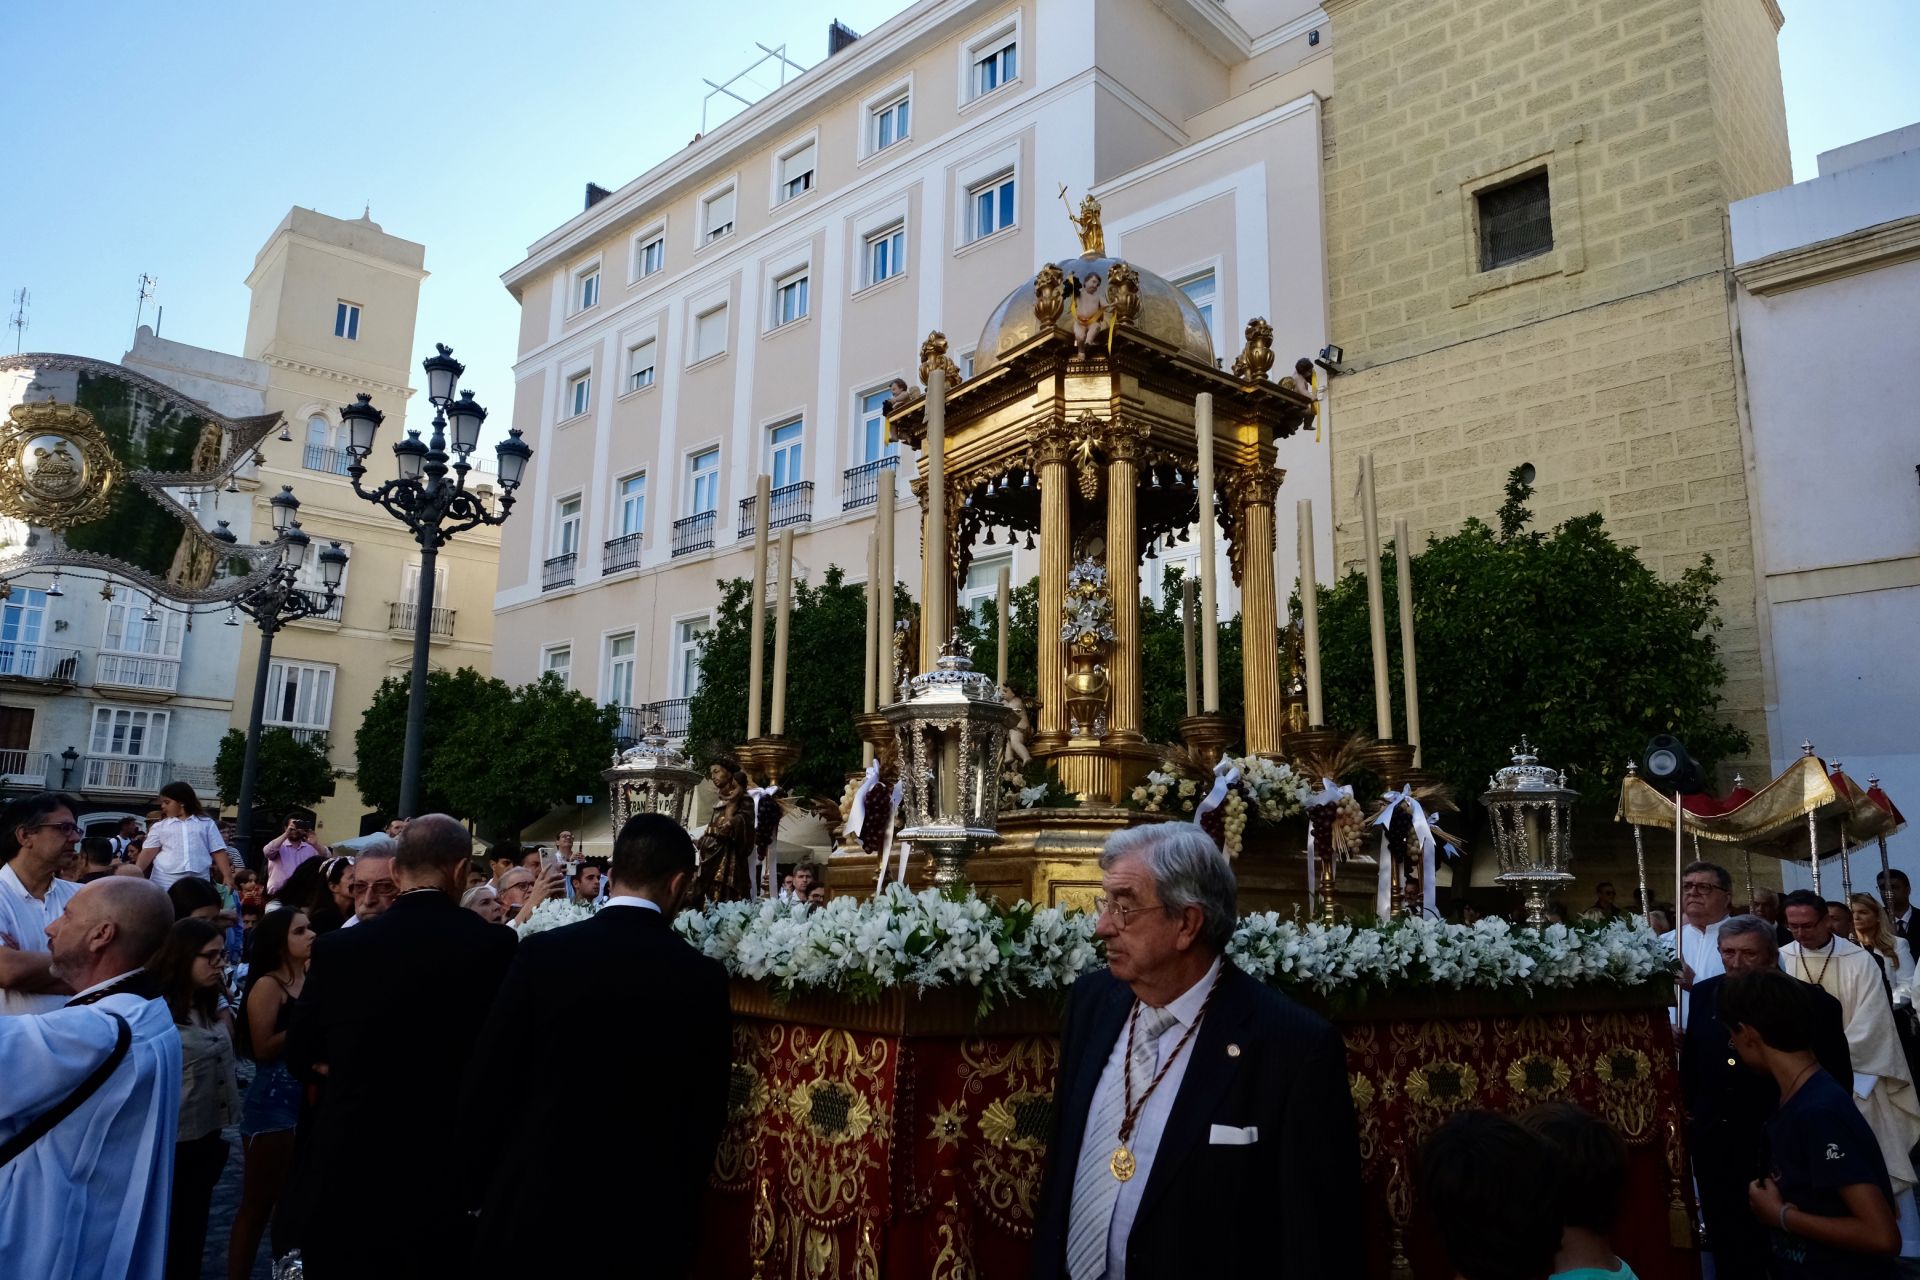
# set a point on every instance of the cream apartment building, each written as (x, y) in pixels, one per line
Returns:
(332, 313)
(742, 306)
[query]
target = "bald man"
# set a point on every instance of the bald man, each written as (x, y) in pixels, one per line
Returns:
(92, 1098)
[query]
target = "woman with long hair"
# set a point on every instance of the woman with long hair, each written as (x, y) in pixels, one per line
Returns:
(185, 842)
(191, 971)
(317, 887)
(1872, 931)
(282, 945)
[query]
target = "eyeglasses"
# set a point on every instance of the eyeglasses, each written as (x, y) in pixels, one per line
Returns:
(1701, 886)
(218, 959)
(64, 828)
(360, 888)
(1102, 905)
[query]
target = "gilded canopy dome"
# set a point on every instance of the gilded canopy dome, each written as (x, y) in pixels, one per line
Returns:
(1166, 314)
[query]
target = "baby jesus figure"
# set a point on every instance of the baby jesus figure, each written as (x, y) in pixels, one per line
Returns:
(1089, 309)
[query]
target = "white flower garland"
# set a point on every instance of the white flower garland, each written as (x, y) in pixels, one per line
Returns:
(554, 913)
(899, 939)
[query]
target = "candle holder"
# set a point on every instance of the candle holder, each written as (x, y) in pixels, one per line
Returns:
(1207, 737)
(877, 732)
(1388, 760)
(767, 759)
(1304, 746)
(652, 777)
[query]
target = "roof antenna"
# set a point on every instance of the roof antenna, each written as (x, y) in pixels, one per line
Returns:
(18, 321)
(147, 287)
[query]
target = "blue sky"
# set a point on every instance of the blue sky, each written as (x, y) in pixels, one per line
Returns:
(172, 138)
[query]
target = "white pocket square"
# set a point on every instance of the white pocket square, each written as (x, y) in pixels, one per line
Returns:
(1226, 1135)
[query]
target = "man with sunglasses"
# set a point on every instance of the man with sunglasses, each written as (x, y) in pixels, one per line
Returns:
(36, 835)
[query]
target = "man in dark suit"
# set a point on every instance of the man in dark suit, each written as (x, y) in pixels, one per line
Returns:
(1728, 1106)
(384, 1029)
(618, 993)
(1202, 1121)
(1897, 892)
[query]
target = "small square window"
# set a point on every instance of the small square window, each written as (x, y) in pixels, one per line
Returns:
(640, 362)
(886, 253)
(790, 299)
(1516, 221)
(650, 257)
(716, 216)
(889, 124)
(346, 321)
(990, 207)
(710, 333)
(579, 394)
(796, 173)
(586, 292)
(995, 67)
(1201, 289)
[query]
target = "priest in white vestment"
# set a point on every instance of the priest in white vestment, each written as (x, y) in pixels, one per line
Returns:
(89, 1197)
(1883, 1086)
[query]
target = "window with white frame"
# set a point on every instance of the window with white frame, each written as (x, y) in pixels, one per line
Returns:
(649, 253)
(640, 362)
(790, 297)
(709, 333)
(631, 494)
(346, 320)
(703, 481)
(990, 206)
(139, 628)
(586, 288)
(1200, 287)
(300, 694)
(131, 732)
(566, 526)
(410, 583)
(319, 432)
(981, 593)
(688, 635)
(716, 216)
(785, 446)
(888, 123)
(966, 364)
(795, 172)
(620, 662)
(557, 660)
(886, 255)
(579, 394)
(873, 443)
(996, 60)
(309, 577)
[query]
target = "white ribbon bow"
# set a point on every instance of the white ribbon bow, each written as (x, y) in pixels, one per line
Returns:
(857, 811)
(886, 845)
(1224, 777)
(1422, 835)
(757, 794)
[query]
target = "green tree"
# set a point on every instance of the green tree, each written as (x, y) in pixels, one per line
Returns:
(495, 754)
(1565, 636)
(293, 774)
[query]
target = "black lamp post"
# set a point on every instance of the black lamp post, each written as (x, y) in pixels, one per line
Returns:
(434, 506)
(68, 759)
(272, 605)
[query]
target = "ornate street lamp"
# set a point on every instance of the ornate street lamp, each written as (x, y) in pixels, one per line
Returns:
(651, 777)
(434, 506)
(1530, 807)
(273, 604)
(952, 730)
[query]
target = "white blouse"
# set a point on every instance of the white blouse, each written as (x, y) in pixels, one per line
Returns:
(186, 845)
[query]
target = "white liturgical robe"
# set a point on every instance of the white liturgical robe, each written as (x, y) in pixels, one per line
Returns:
(90, 1198)
(1882, 1085)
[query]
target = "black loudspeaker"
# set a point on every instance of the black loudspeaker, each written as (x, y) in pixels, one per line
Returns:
(1667, 765)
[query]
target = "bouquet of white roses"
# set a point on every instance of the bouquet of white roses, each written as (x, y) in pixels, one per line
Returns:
(554, 913)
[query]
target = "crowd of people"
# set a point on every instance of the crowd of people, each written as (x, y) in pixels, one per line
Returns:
(353, 1016)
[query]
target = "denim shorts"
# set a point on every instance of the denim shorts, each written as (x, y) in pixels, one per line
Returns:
(272, 1102)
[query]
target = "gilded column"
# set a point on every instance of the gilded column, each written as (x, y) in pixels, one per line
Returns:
(1056, 552)
(1252, 493)
(1124, 439)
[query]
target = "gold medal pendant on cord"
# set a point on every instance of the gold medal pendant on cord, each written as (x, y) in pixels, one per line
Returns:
(1121, 1162)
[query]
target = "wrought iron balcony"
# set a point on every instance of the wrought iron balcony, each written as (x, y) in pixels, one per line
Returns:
(328, 618)
(620, 553)
(136, 673)
(695, 533)
(318, 457)
(670, 713)
(791, 504)
(300, 732)
(400, 616)
(43, 663)
(25, 770)
(861, 484)
(557, 572)
(123, 773)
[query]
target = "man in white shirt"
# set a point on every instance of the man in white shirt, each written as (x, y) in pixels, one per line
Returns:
(1706, 899)
(41, 831)
(89, 1196)
(1191, 1093)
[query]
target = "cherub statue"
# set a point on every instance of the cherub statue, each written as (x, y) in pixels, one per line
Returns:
(1093, 239)
(1089, 308)
(1049, 294)
(1017, 735)
(933, 355)
(1256, 359)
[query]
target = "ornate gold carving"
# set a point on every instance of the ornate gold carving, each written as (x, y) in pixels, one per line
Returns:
(933, 355)
(1628, 1101)
(1538, 1076)
(866, 1263)
(1126, 439)
(955, 1259)
(949, 1125)
(1442, 1085)
(1049, 295)
(1256, 358)
(1007, 1166)
(57, 469)
(1052, 442)
(1093, 239)
(833, 1103)
(1254, 486)
(1123, 293)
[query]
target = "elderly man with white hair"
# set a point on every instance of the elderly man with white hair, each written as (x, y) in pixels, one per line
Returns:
(1202, 1120)
(91, 1098)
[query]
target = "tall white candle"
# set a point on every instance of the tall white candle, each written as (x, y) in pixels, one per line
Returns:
(782, 620)
(1409, 671)
(886, 690)
(934, 609)
(1004, 602)
(1310, 614)
(1209, 600)
(1187, 586)
(870, 680)
(757, 628)
(1376, 604)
